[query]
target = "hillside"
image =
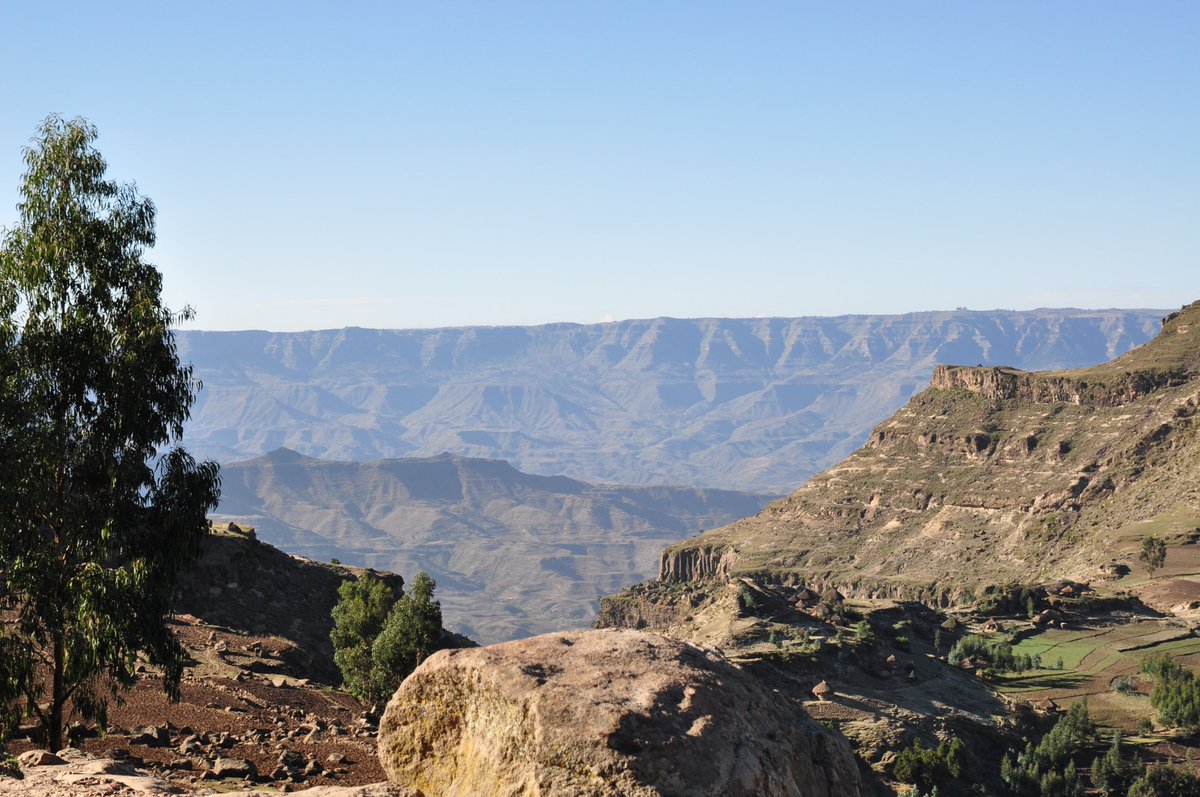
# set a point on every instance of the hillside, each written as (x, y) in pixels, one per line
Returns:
(749, 404)
(990, 476)
(513, 554)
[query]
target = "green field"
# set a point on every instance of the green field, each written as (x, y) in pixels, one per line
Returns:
(1091, 659)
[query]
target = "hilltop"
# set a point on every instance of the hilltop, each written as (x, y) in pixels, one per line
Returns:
(988, 477)
(751, 404)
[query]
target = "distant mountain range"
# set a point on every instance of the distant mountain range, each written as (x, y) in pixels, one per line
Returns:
(513, 554)
(750, 404)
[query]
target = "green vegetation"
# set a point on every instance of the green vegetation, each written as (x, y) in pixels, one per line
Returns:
(99, 507)
(930, 768)
(1153, 553)
(1162, 781)
(377, 639)
(1176, 693)
(1048, 768)
(996, 654)
(1112, 775)
(362, 609)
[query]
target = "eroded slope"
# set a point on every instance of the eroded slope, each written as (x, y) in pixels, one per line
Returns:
(990, 476)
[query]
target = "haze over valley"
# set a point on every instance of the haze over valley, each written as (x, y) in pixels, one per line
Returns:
(513, 554)
(756, 405)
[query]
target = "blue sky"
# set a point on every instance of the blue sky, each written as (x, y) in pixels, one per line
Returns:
(433, 164)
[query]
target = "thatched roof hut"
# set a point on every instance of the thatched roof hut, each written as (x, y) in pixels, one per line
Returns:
(822, 691)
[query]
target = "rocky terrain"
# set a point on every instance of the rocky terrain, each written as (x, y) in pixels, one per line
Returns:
(1002, 506)
(256, 707)
(513, 554)
(240, 582)
(757, 405)
(988, 477)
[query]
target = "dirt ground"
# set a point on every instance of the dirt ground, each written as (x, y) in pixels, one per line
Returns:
(244, 719)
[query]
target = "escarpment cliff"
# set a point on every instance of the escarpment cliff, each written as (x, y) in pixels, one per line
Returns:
(990, 476)
(1009, 384)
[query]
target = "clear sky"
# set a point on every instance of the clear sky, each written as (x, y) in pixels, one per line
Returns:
(442, 163)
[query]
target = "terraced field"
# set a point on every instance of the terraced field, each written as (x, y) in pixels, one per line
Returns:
(1092, 658)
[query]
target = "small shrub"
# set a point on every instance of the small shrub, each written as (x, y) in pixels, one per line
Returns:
(1153, 553)
(1123, 685)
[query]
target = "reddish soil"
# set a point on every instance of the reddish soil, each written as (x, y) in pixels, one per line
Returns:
(238, 702)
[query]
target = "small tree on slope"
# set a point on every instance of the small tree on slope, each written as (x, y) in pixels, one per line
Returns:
(378, 640)
(98, 512)
(362, 609)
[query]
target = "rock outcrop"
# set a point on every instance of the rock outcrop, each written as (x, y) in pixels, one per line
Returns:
(991, 476)
(1004, 384)
(604, 714)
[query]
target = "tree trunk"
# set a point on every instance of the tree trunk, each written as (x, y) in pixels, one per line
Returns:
(57, 698)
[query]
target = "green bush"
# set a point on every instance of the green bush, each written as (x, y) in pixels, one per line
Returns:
(1153, 553)
(379, 639)
(1163, 781)
(358, 617)
(929, 768)
(1111, 774)
(1176, 692)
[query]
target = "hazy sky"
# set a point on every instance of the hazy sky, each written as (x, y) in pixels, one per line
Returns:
(442, 163)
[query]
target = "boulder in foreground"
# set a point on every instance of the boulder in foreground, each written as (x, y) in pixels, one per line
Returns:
(611, 713)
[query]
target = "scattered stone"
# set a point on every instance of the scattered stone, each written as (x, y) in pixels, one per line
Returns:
(151, 736)
(39, 758)
(234, 768)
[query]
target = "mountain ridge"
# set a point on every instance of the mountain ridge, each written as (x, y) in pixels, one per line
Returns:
(750, 404)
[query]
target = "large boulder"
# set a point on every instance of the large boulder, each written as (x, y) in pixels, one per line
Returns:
(604, 713)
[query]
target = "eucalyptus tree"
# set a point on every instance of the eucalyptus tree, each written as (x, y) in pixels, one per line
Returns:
(99, 506)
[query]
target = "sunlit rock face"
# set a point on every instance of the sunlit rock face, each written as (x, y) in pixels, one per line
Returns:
(604, 714)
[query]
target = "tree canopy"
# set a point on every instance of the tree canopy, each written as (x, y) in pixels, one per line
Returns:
(99, 505)
(379, 639)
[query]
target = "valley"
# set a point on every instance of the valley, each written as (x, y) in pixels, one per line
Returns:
(513, 554)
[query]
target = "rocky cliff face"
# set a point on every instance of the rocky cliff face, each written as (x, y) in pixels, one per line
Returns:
(746, 404)
(604, 714)
(1007, 384)
(988, 477)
